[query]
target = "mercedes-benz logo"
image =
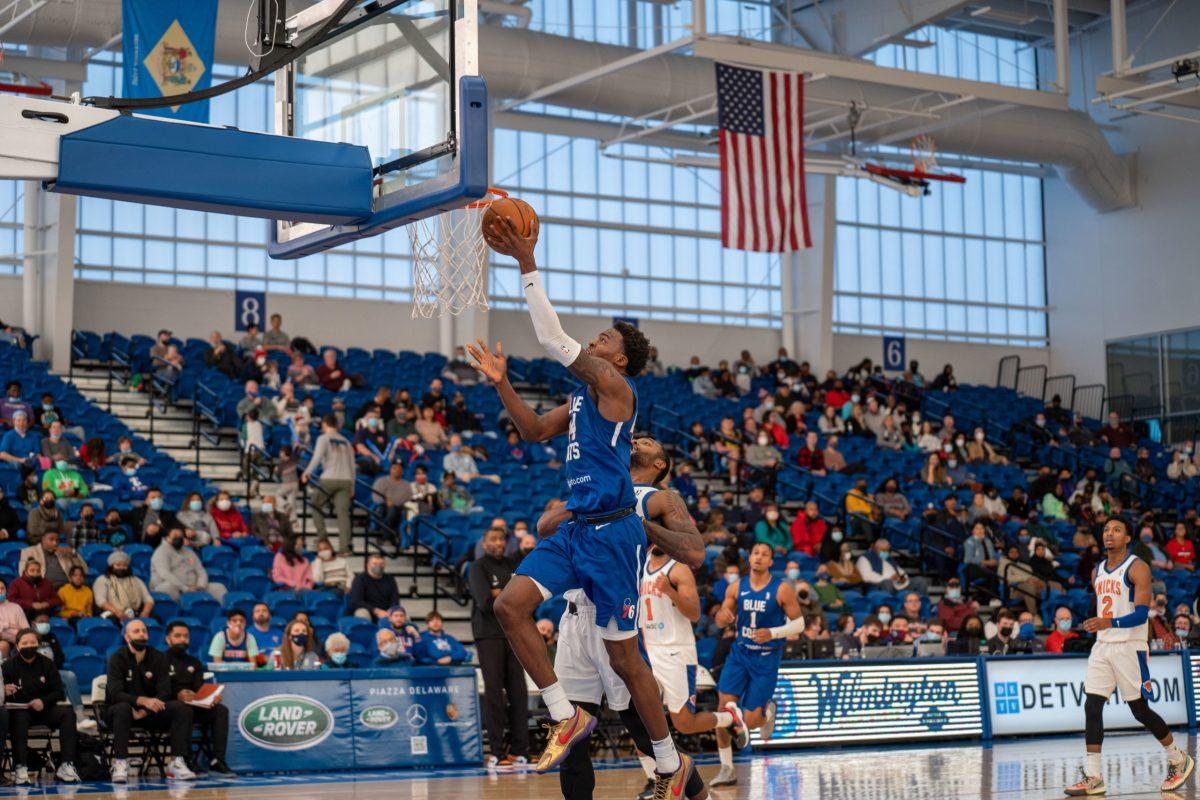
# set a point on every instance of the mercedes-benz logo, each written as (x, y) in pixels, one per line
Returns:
(417, 715)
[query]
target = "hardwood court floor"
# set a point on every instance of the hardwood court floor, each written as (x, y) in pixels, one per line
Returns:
(1010, 769)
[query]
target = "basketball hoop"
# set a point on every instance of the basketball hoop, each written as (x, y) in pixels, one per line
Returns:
(449, 260)
(924, 154)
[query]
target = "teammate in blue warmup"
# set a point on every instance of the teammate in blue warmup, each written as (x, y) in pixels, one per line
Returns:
(766, 612)
(600, 549)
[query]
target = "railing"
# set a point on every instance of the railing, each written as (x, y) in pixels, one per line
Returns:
(1031, 381)
(1006, 373)
(261, 469)
(1061, 385)
(77, 354)
(205, 409)
(120, 369)
(1089, 400)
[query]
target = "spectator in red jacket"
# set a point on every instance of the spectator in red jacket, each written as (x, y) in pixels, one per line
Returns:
(32, 592)
(229, 521)
(837, 396)
(1181, 549)
(1062, 632)
(808, 530)
(330, 374)
(810, 456)
(952, 610)
(1117, 434)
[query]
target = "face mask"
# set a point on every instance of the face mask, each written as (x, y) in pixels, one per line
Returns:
(960, 442)
(836, 536)
(268, 508)
(1005, 630)
(421, 479)
(138, 645)
(372, 423)
(979, 436)
(27, 653)
(155, 504)
(120, 572)
(376, 572)
(854, 398)
(730, 577)
(885, 617)
(1180, 633)
(390, 650)
(1064, 625)
(773, 516)
(300, 639)
(42, 628)
(953, 593)
(1023, 538)
(224, 505)
(177, 544)
(179, 649)
(3, 597)
(972, 632)
(794, 574)
(338, 658)
(947, 447)
(454, 448)
(324, 555)
(952, 463)
(130, 471)
(47, 504)
(930, 636)
(195, 505)
(763, 441)
(885, 555)
(1041, 423)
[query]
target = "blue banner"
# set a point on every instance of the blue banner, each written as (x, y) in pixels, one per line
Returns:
(249, 308)
(429, 717)
(893, 353)
(168, 50)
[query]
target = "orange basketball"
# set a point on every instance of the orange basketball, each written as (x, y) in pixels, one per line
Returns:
(519, 212)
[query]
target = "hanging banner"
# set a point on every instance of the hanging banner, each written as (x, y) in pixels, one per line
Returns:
(168, 50)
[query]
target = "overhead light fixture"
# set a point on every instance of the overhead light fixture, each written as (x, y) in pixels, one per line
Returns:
(1000, 15)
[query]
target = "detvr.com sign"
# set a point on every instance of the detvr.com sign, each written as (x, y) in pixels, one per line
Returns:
(918, 700)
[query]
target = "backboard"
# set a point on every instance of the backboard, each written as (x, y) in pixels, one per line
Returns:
(400, 78)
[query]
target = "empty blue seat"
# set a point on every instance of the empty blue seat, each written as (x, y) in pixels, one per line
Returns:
(253, 581)
(357, 630)
(200, 605)
(87, 668)
(165, 607)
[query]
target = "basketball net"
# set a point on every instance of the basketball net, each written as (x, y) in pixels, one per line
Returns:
(924, 154)
(450, 259)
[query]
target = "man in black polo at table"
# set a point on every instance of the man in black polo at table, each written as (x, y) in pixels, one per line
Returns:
(187, 676)
(139, 693)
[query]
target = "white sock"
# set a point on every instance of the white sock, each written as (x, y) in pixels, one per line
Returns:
(555, 698)
(648, 765)
(1174, 754)
(666, 758)
(724, 719)
(1093, 765)
(726, 754)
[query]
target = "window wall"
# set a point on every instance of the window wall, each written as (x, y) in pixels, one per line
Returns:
(966, 263)
(1157, 377)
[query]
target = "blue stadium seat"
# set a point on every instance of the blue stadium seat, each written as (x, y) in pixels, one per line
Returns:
(257, 557)
(87, 667)
(165, 607)
(252, 581)
(283, 604)
(357, 630)
(241, 600)
(200, 605)
(100, 638)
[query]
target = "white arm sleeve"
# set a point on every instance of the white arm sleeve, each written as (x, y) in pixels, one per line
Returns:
(558, 345)
(789, 628)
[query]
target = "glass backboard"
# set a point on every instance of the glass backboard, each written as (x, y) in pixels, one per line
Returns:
(400, 79)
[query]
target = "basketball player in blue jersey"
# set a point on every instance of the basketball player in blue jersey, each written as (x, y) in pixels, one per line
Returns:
(600, 549)
(766, 612)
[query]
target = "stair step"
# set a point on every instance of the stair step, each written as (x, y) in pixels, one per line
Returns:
(142, 425)
(208, 457)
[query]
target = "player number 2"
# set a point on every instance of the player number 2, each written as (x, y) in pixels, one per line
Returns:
(1106, 606)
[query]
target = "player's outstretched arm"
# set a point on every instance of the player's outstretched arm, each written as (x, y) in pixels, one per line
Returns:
(494, 367)
(614, 396)
(669, 526)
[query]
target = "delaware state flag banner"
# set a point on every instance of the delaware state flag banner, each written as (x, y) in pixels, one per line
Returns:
(168, 46)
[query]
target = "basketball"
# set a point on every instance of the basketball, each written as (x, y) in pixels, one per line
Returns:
(521, 213)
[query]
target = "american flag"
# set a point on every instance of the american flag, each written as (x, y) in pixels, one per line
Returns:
(761, 119)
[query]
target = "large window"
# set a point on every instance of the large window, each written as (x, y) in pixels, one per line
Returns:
(1157, 378)
(965, 264)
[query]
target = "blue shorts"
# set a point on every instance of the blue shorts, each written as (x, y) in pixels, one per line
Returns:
(604, 560)
(750, 677)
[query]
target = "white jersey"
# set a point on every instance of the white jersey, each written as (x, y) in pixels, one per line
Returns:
(1114, 598)
(663, 625)
(643, 492)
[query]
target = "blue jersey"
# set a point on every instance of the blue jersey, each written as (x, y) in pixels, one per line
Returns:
(758, 609)
(597, 460)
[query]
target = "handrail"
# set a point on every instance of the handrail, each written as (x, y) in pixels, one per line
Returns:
(253, 469)
(202, 412)
(77, 354)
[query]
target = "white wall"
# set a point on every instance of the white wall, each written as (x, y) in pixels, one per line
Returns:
(973, 363)
(10, 300)
(1135, 271)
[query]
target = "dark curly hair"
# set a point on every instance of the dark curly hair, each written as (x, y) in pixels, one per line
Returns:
(637, 348)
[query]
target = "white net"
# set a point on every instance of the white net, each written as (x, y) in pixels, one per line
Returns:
(449, 261)
(924, 154)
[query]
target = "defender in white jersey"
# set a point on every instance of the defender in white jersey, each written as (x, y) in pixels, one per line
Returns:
(669, 603)
(1119, 659)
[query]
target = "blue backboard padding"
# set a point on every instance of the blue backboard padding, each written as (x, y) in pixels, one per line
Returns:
(466, 182)
(217, 169)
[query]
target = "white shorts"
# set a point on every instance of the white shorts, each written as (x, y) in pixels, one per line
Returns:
(1118, 665)
(675, 670)
(581, 662)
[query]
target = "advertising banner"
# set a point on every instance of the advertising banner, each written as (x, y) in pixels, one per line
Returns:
(880, 701)
(1045, 694)
(273, 719)
(429, 716)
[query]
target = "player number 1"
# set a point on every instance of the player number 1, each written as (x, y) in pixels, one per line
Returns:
(649, 611)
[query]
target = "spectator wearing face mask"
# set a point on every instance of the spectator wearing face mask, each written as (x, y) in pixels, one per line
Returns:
(121, 595)
(843, 571)
(151, 520)
(809, 530)
(31, 679)
(45, 518)
(128, 485)
(827, 592)
(114, 532)
(197, 523)
(953, 609)
(372, 592)
(175, 568)
(892, 502)
(270, 525)
(297, 650)
(187, 676)
(880, 573)
(330, 571)
(1006, 625)
(389, 651)
(87, 528)
(337, 652)
(291, 570)
(772, 531)
(231, 525)
(1149, 551)
(32, 592)
(810, 602)
(1062, 632)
